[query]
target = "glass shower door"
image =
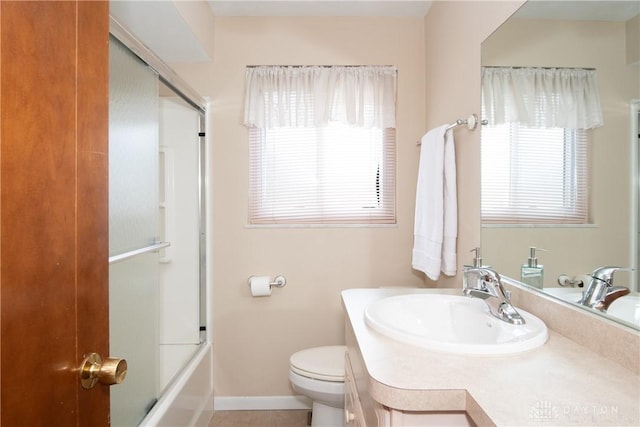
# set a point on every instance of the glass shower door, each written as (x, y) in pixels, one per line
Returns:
(133, 232)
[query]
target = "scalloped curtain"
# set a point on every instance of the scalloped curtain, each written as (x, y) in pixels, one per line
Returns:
(541, 97)
(313, 96)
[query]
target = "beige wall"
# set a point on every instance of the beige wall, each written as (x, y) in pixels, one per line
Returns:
(633, 40)
(199, 16)
(254, 337)
(438, 61)
(573, 251)
(454, 32)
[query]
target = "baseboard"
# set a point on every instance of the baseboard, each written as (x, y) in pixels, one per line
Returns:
(256, 403)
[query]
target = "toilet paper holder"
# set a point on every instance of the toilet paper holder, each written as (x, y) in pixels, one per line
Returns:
(278, 281)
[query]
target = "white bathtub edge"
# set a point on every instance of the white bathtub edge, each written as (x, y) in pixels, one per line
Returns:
(189, 400)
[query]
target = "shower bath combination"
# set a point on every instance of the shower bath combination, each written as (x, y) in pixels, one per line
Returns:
(157, 237)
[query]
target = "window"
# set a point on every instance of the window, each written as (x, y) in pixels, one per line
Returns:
(321, 145)
(331, 174)
(532, 175)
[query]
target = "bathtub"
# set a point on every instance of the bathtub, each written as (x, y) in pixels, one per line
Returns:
(188, 400)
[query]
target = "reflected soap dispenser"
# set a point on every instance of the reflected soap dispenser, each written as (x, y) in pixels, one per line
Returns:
(532, 273)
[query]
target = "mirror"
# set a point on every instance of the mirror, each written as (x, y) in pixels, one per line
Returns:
(603, 35)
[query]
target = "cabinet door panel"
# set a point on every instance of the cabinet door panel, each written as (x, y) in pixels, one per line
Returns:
(353, 414)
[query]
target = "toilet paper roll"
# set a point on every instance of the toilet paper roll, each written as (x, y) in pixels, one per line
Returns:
(260, 286)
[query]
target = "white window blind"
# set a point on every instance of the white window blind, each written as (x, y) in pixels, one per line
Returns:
(534, 175)
(321, 144)
(331, 175)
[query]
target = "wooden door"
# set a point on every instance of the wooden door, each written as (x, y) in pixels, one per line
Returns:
(53, 210)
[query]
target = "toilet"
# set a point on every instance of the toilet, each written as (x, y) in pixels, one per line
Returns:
(318, 373)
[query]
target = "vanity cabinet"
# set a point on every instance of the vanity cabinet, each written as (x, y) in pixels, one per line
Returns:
(356, 400)
(353, 414)
(361, 410)
(389, 383)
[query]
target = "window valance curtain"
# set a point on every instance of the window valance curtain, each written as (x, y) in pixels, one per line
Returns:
(541, 97)
(312, 96)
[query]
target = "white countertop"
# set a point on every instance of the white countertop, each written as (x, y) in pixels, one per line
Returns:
(559, 384)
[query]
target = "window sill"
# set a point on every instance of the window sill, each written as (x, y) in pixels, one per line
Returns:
(539, 226)
(320, 226)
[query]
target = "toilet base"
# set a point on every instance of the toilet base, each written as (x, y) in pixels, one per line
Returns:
(326, 416)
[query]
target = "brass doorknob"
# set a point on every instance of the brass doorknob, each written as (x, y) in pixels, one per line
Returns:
(108, 372)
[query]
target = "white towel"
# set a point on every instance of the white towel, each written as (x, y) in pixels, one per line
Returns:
(436, 215)
(449, 260)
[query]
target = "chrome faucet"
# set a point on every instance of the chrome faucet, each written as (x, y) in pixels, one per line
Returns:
(484, 283)
(601, 292)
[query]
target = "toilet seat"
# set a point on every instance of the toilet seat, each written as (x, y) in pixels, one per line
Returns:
(321, 363)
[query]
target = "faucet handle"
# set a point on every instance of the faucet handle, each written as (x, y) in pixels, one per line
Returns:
(485, 274)
(605, 274)
(484, 270)
(487, 280)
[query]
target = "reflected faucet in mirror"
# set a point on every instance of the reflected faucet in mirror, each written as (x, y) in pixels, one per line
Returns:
(601, 293)
(484, 283)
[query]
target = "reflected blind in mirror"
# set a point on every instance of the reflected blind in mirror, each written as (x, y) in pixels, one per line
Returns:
(534, 175)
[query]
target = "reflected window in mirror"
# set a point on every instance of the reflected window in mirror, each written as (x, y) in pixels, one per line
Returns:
(535, 147)
(534, 175)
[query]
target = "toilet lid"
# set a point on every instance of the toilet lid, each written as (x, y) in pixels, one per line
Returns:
(321, 363)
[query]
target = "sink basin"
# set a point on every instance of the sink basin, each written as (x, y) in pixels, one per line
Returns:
(626, 308)
(455, 324)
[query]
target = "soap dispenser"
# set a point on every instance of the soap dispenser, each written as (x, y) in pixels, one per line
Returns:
(477, 263)
(477, 259)
(532, 273)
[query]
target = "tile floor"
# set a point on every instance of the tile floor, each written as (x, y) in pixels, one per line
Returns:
(259, 419)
